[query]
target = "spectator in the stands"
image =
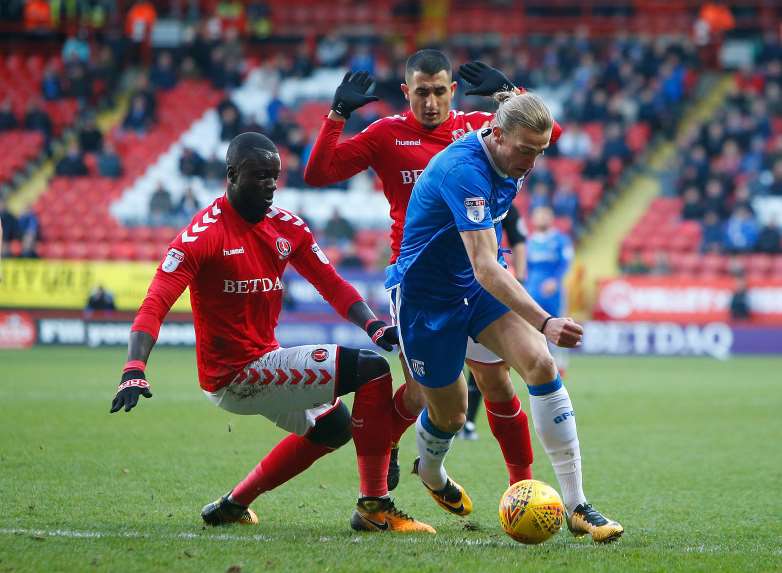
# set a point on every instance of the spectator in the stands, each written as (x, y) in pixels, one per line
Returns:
(752, 160)
(615, 145)
(711, 233)
(163, 75)
(77, 48)
(29, 232)
(636, 265)
(51, 85)
(78, 82)
(274, 108)
(575, 142)
(72, 163)
(349, 258)
(138, 117)
(743, 198)
(187, 207)
(338, 230)
(109, 163)
(8, 120)
(302, 67)
(331, 50)
(595, 167)
(144, 89)
(715, 199)
(160, 207)
(741, 231)
(692, 207)
(362, 60)
(38, 17)
(770, 182)
(230, 123)
(541, 174)
(739, 301)
(90, 137)
(769, 239)
(294, 173)
(565, 202)
(9, 223)
(100, 300)
(540, 196)
(662, 264)
(36, 119)
(191, 164)
(215, 170)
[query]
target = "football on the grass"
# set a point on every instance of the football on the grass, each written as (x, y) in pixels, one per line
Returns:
(531, 511)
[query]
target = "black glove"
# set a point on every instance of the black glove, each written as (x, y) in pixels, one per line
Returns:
(487, 80)
(383, 335)
(352, 93)
(133, 385)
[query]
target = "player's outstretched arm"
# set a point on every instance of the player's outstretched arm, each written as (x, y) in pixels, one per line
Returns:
(481, 246)
(331, 162)
(134, 383)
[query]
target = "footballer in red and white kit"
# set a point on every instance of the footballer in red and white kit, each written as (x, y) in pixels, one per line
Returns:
(232, 256)
(398, 148)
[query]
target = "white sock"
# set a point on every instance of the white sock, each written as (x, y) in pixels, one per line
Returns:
(555, 424)
(433, 444)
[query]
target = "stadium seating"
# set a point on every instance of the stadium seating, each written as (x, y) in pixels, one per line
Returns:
(74, 212)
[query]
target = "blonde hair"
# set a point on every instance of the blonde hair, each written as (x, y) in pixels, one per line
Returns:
(526, 110)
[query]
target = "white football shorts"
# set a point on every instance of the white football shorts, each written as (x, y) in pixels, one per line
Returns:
(292, 387)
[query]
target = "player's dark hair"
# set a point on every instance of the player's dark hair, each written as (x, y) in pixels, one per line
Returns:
(247, 145)
(427, 61)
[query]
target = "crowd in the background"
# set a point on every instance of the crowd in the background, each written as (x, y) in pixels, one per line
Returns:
(726, 162)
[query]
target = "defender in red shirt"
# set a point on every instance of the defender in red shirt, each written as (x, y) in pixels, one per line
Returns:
(398, 148)
(232, 256)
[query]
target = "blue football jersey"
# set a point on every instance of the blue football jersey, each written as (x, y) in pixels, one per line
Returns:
(548, 257)
(461, 189)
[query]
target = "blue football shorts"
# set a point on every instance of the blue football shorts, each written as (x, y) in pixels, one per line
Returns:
(433, 338)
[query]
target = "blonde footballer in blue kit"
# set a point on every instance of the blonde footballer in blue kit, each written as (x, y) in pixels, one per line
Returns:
(451, 287)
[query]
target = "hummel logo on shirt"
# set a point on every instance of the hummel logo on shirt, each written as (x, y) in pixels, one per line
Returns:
(407, 142)
(228, 253)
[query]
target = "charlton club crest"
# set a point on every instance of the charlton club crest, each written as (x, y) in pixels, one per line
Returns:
(283, 247)
(320, 354)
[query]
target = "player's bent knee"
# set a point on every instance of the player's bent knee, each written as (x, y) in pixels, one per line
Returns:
(333, 429)
(542, 369)
(357, 367)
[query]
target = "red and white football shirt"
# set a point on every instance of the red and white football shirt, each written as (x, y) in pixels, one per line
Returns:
(234, 270)
(397, 147)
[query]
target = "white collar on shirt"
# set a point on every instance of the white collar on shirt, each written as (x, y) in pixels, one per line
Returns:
(480, 136)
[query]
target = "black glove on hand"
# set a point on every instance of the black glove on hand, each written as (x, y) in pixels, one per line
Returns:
(352, 93)
(133, 385)
(487, 80)
(383, 335)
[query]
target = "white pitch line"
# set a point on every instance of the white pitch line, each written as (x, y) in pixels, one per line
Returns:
(73, 534)
(77, 534)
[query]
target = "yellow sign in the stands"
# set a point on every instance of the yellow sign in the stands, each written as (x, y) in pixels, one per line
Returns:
(28, 283)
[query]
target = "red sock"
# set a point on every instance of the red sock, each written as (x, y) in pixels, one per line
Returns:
(401, 418)
(289, 458)
(508, 423)
(371, 424)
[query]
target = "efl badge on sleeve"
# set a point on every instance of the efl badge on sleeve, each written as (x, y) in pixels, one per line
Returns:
(320, 254)
(283, 247)
(476, 208)
(173, 258)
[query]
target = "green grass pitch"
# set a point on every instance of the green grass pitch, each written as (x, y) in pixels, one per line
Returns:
(684, 452)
